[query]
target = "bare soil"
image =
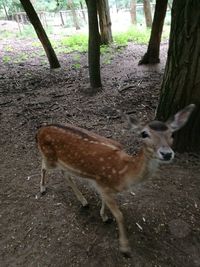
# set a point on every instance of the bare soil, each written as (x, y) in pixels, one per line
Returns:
(162, 214)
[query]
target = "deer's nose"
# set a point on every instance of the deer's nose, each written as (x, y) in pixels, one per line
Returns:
(166, 155)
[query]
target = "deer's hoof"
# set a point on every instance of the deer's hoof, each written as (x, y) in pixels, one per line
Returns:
(126, 251)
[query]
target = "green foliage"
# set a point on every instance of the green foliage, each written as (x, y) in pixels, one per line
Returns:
(6, 59)
(63, 4)
(106, 53)
(21, 57)
(134, 34)
(45, 5)
(76, 66)
(78, 42)
(105, 49)
(13, 6)
(26, 31)
(8, 48)
(10, 5)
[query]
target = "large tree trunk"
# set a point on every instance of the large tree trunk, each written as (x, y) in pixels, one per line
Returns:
(35, 21)
(147, 13)
(153, 51)
(133, 11)
(93, 45)
(74, 15)
(104, 21)
(181, 82)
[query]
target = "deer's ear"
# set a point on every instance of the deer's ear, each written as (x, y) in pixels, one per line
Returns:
(180, 119)
(133, 125)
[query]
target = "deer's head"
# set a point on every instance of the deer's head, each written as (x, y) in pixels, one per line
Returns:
(157, 136)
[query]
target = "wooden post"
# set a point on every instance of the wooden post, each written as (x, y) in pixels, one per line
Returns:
(62, 20)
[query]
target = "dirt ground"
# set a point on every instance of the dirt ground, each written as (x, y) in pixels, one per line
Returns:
(162, 214)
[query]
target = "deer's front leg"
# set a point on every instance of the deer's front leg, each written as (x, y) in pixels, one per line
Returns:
(123, 240)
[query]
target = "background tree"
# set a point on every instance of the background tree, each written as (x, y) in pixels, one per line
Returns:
(2, 4)
(170, 4)
(153, 50)
(93, 45)
(147, 13)
(133, 11)
(104, 21)
(9, 7)
(71, 6)
(82, 10)
(181, 82)
(35, 21)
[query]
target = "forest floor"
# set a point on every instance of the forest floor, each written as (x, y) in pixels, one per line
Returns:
(162, 215)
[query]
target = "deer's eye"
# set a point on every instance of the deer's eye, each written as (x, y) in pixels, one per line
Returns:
(144, 134)
(172, 136)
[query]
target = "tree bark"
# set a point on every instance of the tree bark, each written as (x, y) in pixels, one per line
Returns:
(74, 15)
(35, 21)
(181, 82)
(147, 13)
(93, 45)
(133, 11)
(104, 21)
(153, 51)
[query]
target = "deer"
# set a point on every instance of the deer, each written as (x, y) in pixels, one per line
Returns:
(104, 162)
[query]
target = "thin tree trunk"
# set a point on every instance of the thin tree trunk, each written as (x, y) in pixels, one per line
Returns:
(153, 51)
(104, 21)
(82, 11)
(133, 11)
(147, 13)
(169, 5)
(74, 15)
(181, 81)
(35, 21)
(18, 22)
(4, 7)
(93, 45)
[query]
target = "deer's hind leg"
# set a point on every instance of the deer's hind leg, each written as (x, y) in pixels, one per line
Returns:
(103, 214)
(43, 176)
(74, 187)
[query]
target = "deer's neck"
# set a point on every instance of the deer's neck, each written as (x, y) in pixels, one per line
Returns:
(143, 166)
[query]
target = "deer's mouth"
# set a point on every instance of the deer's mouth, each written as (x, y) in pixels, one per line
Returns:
(165, 160)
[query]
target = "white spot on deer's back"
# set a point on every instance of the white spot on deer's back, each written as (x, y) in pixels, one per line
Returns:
(114, 171)
(123, 170)
(94, 142)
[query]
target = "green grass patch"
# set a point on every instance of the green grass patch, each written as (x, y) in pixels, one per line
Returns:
(76, 66)
(135, 34)
(26, 31)
(8, 48)
(6, 59)
(78, 42)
